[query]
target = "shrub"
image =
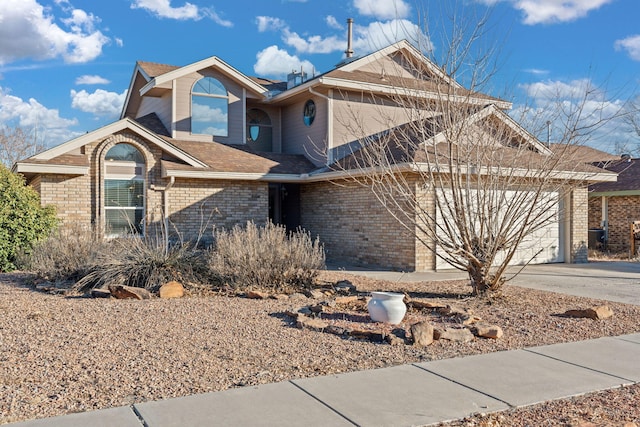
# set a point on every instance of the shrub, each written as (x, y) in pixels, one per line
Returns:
(145, 262)
(266, 257)
(67, 254)
(23, 222)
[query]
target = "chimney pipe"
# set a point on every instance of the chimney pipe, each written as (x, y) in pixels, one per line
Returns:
(349, 51)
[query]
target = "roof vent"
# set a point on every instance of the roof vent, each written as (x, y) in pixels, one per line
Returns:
(626, 157)
(349, 51)
(295, 78)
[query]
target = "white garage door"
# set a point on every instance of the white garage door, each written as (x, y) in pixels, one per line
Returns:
(544, 245)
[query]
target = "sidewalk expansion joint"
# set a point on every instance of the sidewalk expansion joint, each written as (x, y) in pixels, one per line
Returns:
(324, 404)
(465, 386)
(139, 415)
(629, 381)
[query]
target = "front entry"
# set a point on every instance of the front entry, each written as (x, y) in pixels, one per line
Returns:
(284, 205)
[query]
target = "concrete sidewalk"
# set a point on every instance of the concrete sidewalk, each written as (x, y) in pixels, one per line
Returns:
(407, 395)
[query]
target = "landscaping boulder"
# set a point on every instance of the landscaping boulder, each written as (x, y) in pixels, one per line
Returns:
(489, 331)
(171, 289)
(595, 313)
(451, 334)
(129, 292)
(257, 295)
(422, 333)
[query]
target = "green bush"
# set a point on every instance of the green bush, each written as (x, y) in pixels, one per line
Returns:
(66, 255)
(266, 258)
(23, 222)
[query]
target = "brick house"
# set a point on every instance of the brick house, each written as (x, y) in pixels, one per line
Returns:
(614, 206)
(206, 144)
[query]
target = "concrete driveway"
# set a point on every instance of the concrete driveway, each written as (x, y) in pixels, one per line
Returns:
(617, 281)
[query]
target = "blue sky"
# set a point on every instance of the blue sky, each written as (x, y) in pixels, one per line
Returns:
(65, 65)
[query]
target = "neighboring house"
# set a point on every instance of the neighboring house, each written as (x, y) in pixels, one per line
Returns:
(205, 145)
(614, 206)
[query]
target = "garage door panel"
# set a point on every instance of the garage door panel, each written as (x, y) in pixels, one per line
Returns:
(541, 246)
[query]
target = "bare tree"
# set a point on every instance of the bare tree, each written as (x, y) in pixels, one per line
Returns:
(464, 178)
(17, 143)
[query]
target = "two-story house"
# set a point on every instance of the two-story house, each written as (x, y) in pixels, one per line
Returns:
(204, 145)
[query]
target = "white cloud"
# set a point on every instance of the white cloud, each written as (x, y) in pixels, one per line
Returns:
(383, 9)
(33, 115)
(313, 44)
(332, 22)
(91, 80)
(536, 71)
(381, 34)
(28, 30)
(631, 44)
(578, 111)
(554, 90)
(551, 11)
(189, 11)
(99, 103)
(269, 23)
(276, 62)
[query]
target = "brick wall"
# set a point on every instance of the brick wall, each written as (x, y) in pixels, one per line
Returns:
(354, 227)
(195, 206)
(595, 212)
(579, 225)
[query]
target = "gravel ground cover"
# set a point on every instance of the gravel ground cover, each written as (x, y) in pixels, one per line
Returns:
(62, 354)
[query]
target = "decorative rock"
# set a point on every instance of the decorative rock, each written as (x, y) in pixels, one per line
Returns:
(311, 323)
(171, 289)
(257, 295)
(346, 300)
(344, 287)
(425, 305)
(317, 308)
(470, 320)
(422, 333)
(462, 335)
(315, 293)
(489, 331)
(129, 292)
(100, 293)
(305, 311)
(297, 295)
(335, 330)
(280, 296)
(595, 313)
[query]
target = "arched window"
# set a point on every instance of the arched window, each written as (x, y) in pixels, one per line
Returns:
(124, 201)
(209, 107)
(259, 130)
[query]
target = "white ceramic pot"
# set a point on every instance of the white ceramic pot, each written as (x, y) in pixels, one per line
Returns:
(387, 307)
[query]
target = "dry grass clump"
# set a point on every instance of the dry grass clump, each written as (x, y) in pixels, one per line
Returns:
(248, 257)
(266, 257)
(145, 262)
(66, 255)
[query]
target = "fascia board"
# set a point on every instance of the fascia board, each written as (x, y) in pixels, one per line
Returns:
(137, 69)
(108, 130)
(22, 167)
(520, 173)
(236, 176)
(200, 65)
(614, 193)
(379, 88)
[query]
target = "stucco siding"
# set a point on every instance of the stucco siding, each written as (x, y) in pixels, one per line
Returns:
(297, 138)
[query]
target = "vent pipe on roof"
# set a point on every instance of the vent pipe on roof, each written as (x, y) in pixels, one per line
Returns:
(349, 51)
